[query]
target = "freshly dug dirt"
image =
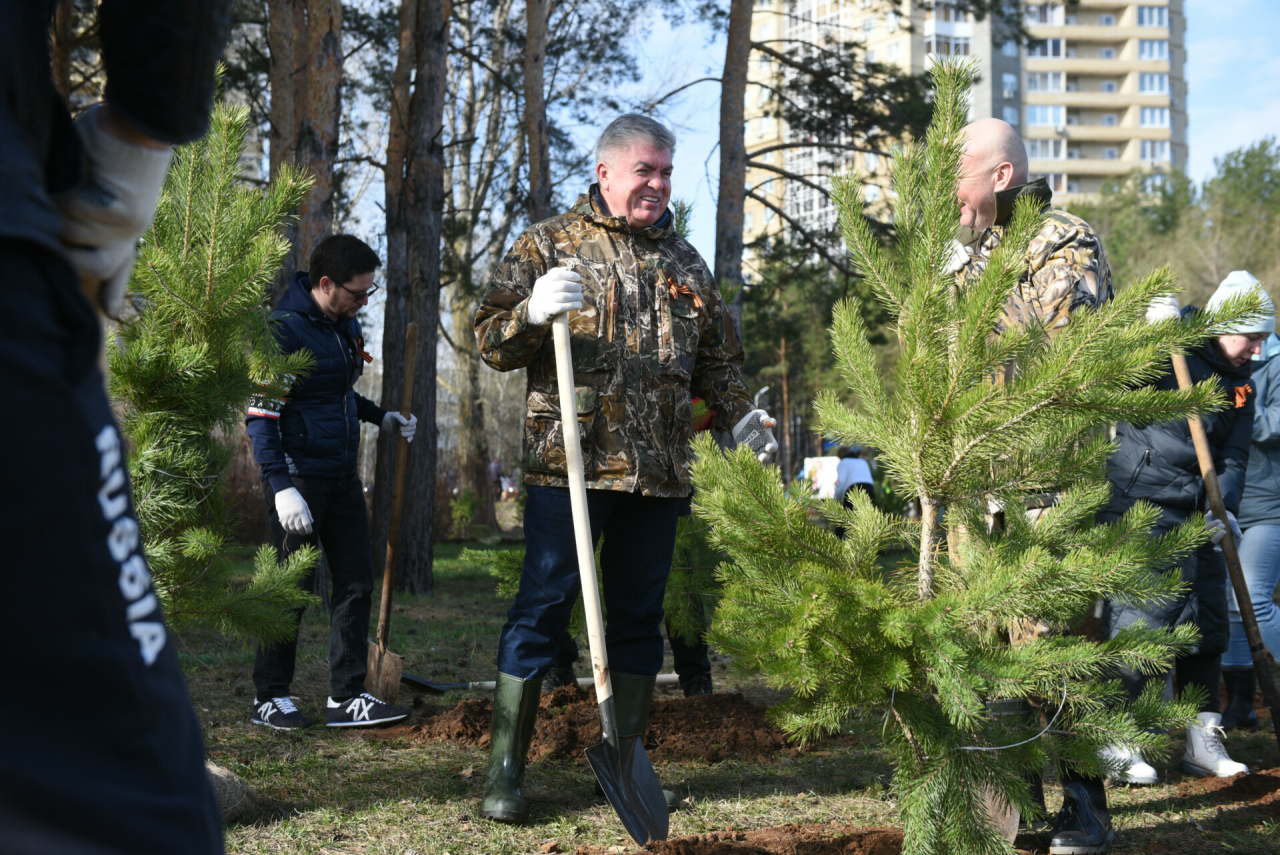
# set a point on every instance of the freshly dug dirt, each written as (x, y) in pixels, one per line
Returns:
(705, 727)
(1260, 791)
(777, 840)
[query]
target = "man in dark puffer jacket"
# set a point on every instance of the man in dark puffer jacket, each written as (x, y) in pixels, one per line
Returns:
(307, 447)
(1157, 463)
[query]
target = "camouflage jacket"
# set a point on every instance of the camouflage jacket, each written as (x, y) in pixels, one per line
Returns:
(1066, 265)
(652, 334)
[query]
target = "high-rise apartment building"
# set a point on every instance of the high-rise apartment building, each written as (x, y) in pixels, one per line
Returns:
(1098, 91)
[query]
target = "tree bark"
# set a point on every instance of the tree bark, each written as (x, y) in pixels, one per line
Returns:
(733, 148)
(304, 38)
(535, 110)
(61, 43)
(414, 209)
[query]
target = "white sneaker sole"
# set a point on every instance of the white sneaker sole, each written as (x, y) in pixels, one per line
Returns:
(1137, 780)
(1084, 850)
(262, 723)
(370, 723)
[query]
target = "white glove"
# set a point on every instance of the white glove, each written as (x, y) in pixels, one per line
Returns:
(103, 218)
(1218, 531)
(957, 258)
(754, 430)
(408, 427)
(556, 291)
(1163, 309)
(292, 509)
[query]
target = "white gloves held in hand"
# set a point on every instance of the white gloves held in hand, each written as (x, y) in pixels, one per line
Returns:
(103, 218)
(295, 516)
(556, 291)
(408, 427)
(753, 429)
(957, 258)
(1163, 309)
(1218, 530)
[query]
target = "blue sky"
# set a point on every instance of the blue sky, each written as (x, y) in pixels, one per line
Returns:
(1233, 81)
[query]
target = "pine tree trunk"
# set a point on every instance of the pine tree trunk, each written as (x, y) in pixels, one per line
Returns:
(414, 208)
(733, 147)
(304, 38)
(786, 416)
(535, 110)
(473, 443)
(928, 546)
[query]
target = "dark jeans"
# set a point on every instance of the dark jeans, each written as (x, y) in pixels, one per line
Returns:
(639, 540)
(689, 660)
(99, 747)
(341, 526)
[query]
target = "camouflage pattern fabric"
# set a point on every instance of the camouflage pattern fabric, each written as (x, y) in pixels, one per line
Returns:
(652, 335)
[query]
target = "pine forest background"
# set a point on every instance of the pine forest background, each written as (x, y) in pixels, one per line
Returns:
(437, 131)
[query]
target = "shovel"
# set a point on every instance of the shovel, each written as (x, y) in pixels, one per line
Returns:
(621, 765)
(1261, 667)
(385, 667)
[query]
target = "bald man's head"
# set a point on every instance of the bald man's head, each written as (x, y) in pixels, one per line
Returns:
(994, 159)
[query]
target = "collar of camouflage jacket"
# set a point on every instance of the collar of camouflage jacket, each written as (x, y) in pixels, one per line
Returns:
(592, 207)
(1005, 199)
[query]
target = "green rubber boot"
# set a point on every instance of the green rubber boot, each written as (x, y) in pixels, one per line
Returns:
(515, 709)
(632, 696)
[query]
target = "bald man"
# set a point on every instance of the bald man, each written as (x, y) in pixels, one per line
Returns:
(1066, 265)
(1066, 271)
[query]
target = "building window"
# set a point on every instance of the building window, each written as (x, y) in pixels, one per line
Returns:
(1044, 115)
(1009, 81)
(1155, 150)
(1106, 20)
(872, 192)
(895, 51)
(1044, 81)
(1073, 186)
(1044, 13)
(766, 125)
(947, 45)
(1109, 120)
(1057, 180)
(766, 64)
(1011, 115)
(1153, 16)
(1155, 117)
(871, 56)
(748, 221)
(1153, 49)
(1044, 149)
(1073, 154)
(1045, 48)
(891, 21)
(872, 160)
(868, 26)
(1153, 183)
(1153, 82)
(1111, 153)
(1009, 48)
(1106, 53)
(746, 128)
(1108, 86)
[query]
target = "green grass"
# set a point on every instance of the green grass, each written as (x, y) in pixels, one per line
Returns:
(339, 792)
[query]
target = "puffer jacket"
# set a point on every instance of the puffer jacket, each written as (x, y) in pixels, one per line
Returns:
(314, 432)
(651, 336)
(1261, 502)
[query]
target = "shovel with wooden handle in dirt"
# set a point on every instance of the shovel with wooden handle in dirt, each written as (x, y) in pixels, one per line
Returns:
(385, 667)
(1261, 667)
(621, 765)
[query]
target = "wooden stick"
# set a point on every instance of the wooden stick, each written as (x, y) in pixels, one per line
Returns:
(1261, 666)
(397, 488)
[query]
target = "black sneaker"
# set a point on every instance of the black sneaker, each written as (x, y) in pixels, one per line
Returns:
(1082, 828)
(279, 713)
(558, 676)
(364, 710)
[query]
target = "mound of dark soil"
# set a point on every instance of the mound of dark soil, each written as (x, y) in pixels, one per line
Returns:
(777, 840)
(1261, 789)
(705, 727)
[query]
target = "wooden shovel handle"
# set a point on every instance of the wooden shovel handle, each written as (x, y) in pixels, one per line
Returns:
(397, 487)
(578, 502)
(1210, 474)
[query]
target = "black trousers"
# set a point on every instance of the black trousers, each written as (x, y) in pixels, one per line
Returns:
(99, 747)
(339, 525)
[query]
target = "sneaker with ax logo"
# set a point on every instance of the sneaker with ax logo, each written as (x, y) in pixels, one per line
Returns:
(363, 710)
(279, 713)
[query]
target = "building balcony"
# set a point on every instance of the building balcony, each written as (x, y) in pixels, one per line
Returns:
(1095, 33)
(1092, 166)
(1099, 100)
(1098, 133)
(1093, 65)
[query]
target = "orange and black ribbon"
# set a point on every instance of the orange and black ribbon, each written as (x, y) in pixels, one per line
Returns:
(675, 290)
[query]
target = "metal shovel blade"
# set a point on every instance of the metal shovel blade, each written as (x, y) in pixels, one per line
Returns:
(630, 784)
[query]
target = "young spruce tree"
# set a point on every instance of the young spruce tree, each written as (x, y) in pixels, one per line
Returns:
(925, 645)
(198, 346)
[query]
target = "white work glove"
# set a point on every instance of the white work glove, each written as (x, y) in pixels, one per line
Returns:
(556, 291)
(1163, 309)
(295, 516)
(753, 429)
(957, 258)
(103, 218)
(1217, 531)
(408, 427)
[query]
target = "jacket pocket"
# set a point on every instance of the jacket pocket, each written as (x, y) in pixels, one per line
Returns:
(590, 326)
(683, 311)
(1137, 471)
(295, 437)
(544, 449)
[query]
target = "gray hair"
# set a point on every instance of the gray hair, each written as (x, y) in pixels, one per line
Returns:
(633, 127)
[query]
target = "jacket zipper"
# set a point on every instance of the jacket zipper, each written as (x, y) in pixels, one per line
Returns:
(346, 434)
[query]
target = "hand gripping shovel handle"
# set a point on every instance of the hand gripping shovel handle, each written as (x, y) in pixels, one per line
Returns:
(1262, 667)
(397, 487)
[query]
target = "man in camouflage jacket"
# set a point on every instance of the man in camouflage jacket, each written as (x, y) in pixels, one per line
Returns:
(1066, 271)
(648, 333)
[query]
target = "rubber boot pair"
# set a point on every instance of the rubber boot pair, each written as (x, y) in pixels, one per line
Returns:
(515, 711)
(1239, 713)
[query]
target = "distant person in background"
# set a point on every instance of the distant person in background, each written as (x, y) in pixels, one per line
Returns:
(852, 473)
(495, 479)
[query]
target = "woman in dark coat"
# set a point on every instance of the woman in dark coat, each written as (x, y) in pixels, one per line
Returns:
(1157, 463)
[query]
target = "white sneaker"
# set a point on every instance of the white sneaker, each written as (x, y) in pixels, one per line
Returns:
(1134, 769)
(1205, 755)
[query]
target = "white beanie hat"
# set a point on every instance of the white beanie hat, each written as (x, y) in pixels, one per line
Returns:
(1239, 283)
